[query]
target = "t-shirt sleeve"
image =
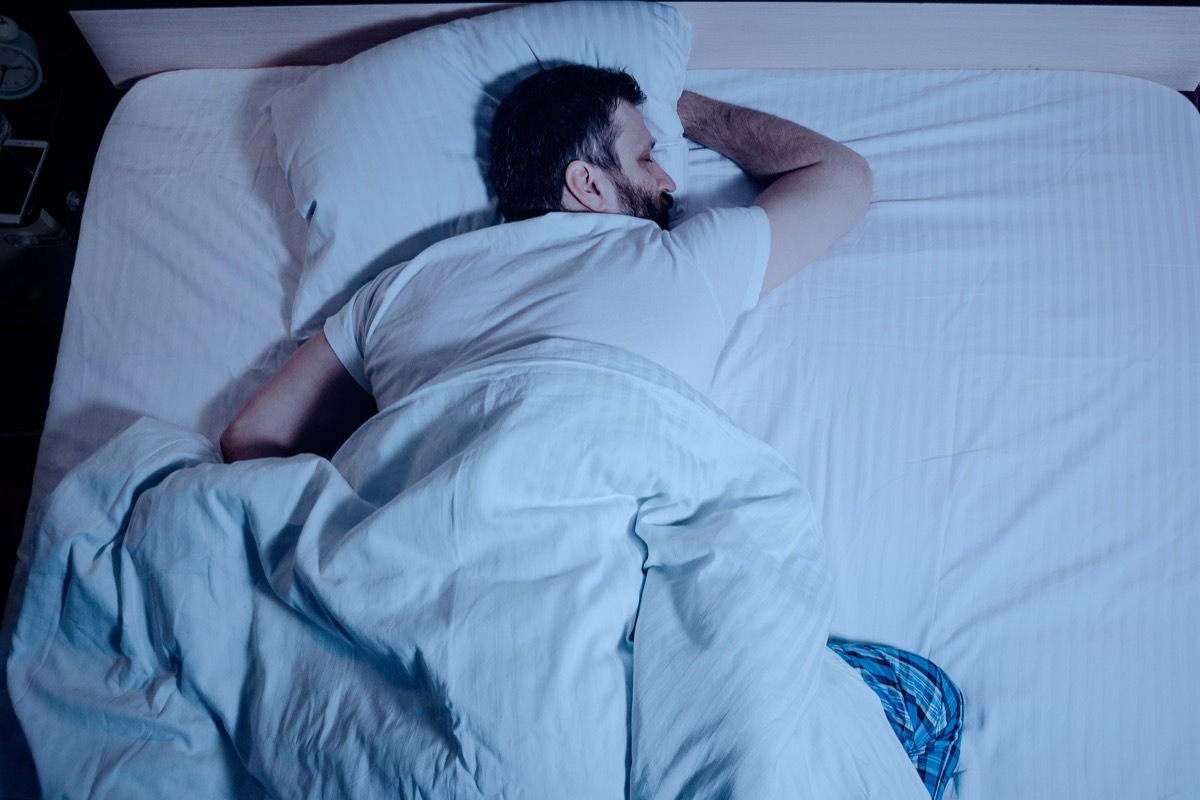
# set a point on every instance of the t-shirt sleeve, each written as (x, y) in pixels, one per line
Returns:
(348, 330)
(342, 332)
(730, 246)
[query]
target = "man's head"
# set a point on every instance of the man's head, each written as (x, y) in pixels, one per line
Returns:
(572, 139)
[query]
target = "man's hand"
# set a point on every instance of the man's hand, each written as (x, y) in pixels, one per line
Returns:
(819, 189)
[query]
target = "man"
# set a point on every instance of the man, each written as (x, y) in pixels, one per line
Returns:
(584, 254)
(572, 140)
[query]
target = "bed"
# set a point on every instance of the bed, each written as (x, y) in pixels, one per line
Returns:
(989, 390)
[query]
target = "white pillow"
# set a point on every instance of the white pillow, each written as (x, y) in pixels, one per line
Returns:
(386, 153)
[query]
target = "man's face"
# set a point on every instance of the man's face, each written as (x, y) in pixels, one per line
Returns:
(641, 183)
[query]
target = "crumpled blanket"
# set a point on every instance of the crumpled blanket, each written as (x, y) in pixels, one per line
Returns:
(557, 573)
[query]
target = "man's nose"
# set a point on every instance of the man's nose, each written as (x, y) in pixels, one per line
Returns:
(665, 184)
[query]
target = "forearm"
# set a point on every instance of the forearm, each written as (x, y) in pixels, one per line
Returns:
(817, 189)
(311, 405)
(762, 144)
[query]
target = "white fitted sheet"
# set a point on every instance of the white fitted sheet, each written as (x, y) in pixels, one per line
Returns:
(990, 386)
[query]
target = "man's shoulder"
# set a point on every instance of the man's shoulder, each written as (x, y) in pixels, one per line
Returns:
(723, 215)
(724, 221)
(529, 233)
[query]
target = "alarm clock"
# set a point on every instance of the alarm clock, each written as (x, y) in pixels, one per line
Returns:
(20, 70)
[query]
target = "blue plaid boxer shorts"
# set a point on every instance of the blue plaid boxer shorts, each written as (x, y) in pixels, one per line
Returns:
(922, 704)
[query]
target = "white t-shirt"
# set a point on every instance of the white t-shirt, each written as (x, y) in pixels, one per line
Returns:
(610, 279)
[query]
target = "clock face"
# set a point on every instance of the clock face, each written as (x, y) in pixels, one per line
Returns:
(19, 75)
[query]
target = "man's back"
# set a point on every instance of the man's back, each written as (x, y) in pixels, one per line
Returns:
(603, 278)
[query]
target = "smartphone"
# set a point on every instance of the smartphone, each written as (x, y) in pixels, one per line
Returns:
(20, 165)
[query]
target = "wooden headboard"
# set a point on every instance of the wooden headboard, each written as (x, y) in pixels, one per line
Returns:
(1160, 43)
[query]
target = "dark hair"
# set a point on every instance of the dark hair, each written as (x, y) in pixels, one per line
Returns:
(550, 119)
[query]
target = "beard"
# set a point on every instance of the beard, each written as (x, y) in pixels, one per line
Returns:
(642, 203)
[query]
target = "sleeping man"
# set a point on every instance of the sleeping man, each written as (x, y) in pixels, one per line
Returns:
(585, 254)
(581, 257)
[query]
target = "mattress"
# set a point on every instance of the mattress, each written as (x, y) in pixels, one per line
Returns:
(989, 387)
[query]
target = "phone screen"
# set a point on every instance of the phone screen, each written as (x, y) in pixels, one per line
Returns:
(19, 166)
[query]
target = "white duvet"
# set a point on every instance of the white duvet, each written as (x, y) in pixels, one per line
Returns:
(558, 573)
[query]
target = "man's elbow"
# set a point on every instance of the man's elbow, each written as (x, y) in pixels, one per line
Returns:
(238, 444)
(233, 445)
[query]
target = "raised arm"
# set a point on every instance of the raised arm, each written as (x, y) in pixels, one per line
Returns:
(819, 189)
(311, 405)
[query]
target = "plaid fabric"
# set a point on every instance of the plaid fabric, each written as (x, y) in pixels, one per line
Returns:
(922, 704)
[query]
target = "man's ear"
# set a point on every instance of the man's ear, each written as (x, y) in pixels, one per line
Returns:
(586, 187)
